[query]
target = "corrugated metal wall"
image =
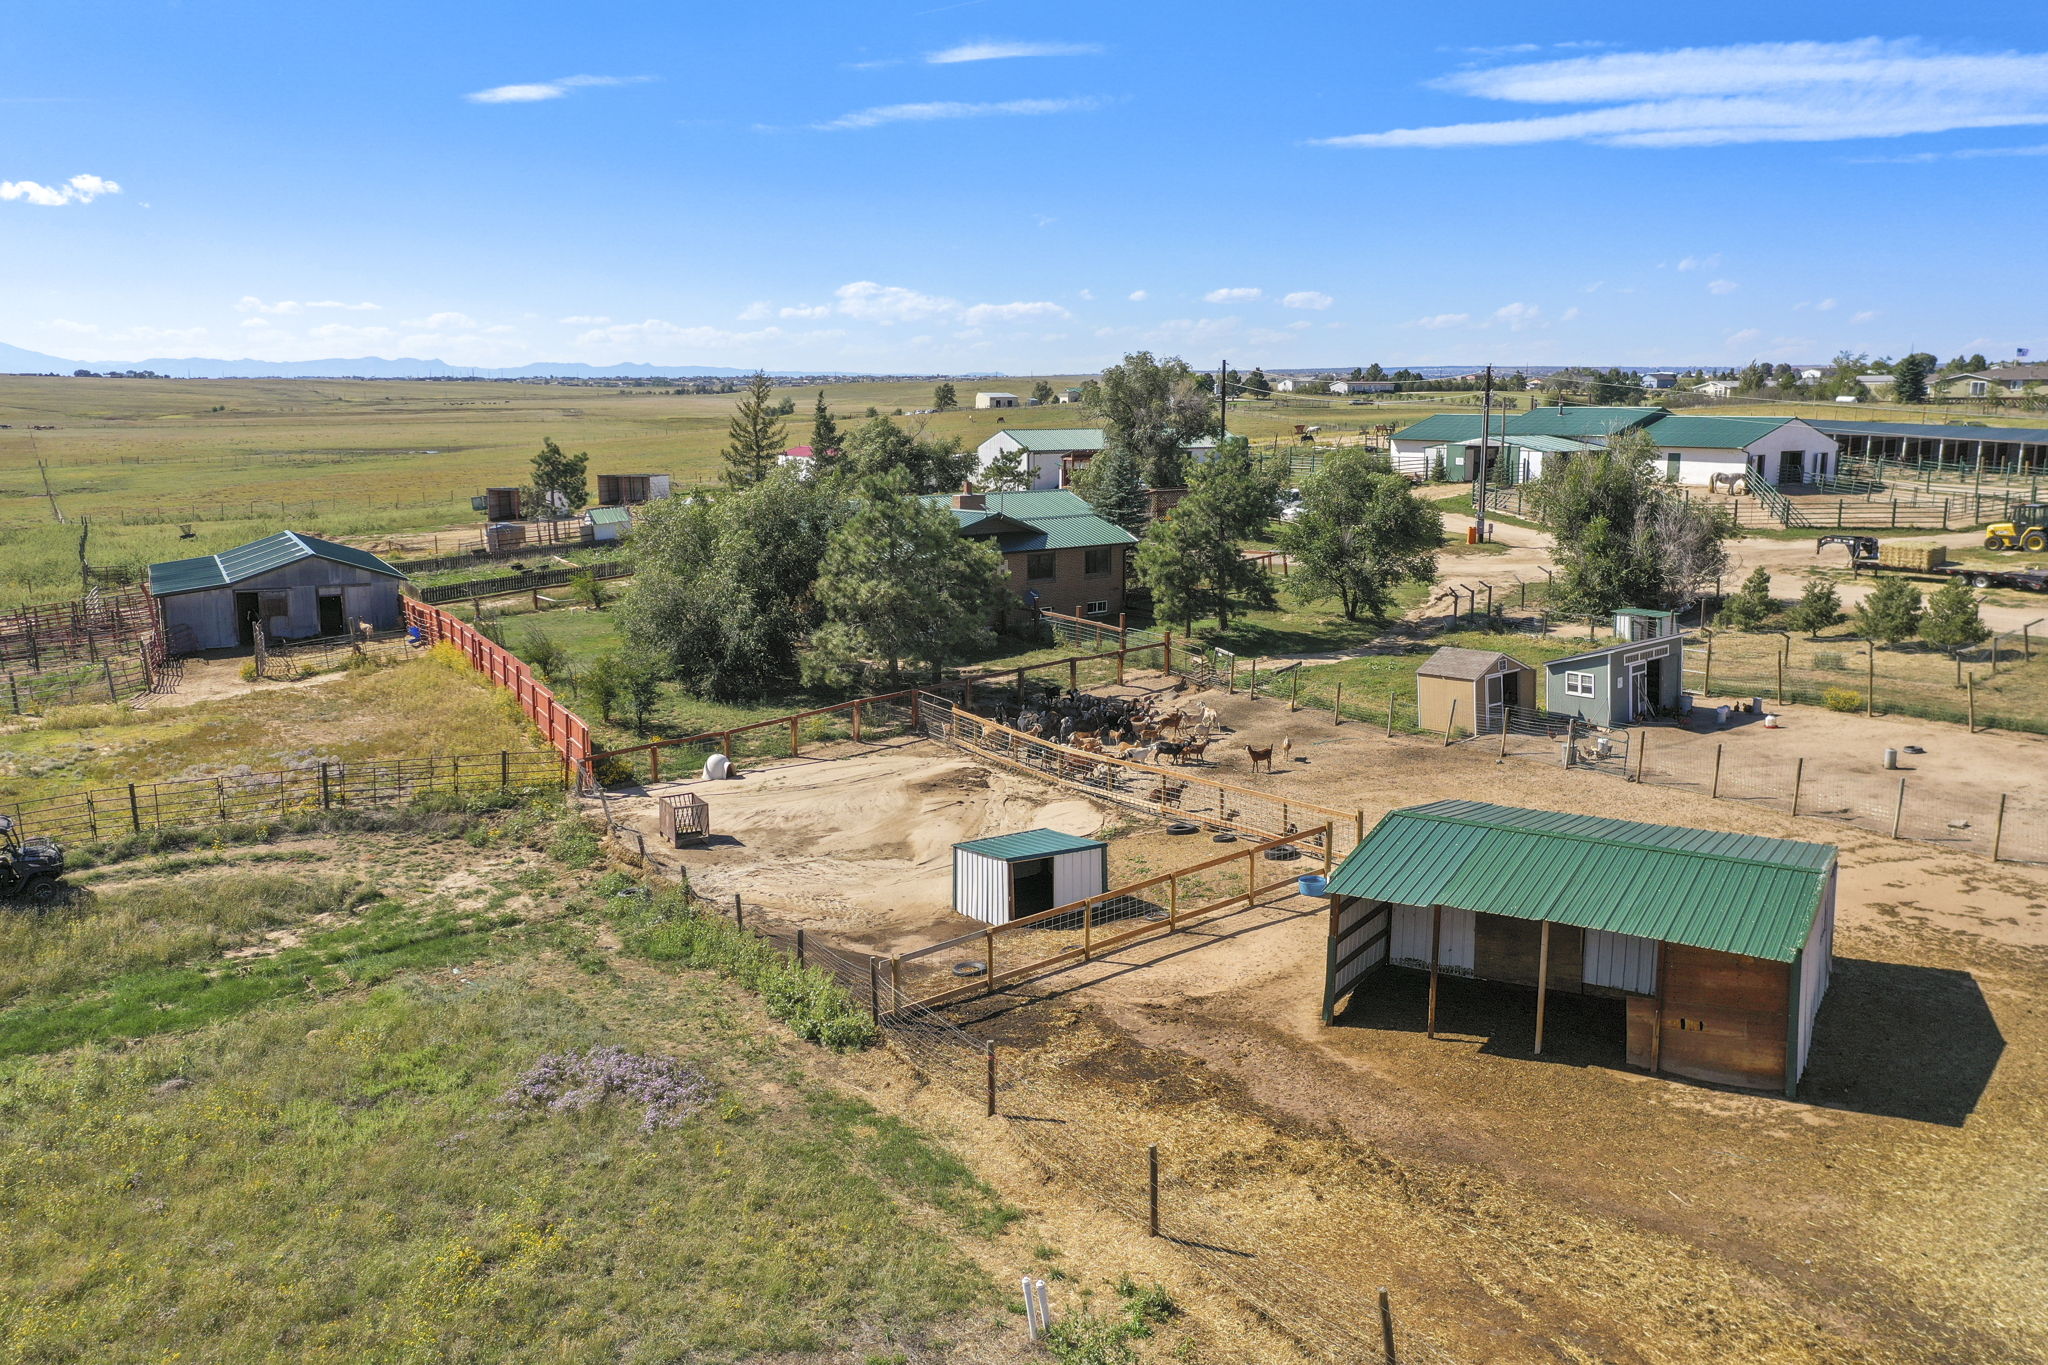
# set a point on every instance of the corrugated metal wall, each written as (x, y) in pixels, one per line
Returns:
(1622, 961)
(210, 614)
(1357, 922)
(1816, 965)
(1412, 927)
(981, 887)
(1078, 875)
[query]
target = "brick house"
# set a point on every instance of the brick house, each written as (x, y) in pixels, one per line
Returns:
(1061, 556)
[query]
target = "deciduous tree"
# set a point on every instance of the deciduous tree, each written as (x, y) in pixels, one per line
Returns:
(1153, 409)
(944, 398)
(1007, 471)
(1360, 533)
(755, 440)
(1194, 560)
(1041, 392)
(879, 447)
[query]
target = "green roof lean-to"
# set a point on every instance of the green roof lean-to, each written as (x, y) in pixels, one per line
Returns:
(1032, 843)
(1730, 893)
(257, 557)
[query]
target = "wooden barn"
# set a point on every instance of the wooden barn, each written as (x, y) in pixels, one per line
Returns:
(1717, 946)
(997, 880)
(1480, 683)
(295, 586)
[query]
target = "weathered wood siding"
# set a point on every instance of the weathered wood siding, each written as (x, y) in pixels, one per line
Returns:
(1724, 1017)
(1507, 949)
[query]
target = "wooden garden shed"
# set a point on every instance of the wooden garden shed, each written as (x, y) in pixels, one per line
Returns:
(997, 880)
(1717, 945)
(1479, 682)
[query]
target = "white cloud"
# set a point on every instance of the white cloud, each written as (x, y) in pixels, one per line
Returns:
(546, 90)
(871, 302)
(346, 307)
(819, 310)
(1242, 295)
(753, 312)
(1438, 321)
(1084, 294)
(1518, 317)
(1824, 306)
(249, 303)
(130, 336)
(1744, 93)
(1012, 312)
(1301, 326)
(1869, 314)
(443, 322)
(1700, 262)
(1139, 296)
(1722, 286)
(996, 51)
(79, 189)
(1307, 298)
(255, 322)
(587, 320)
(633, 338)
(1960, 154)
(1568, 315)
(1743, 337)
(952, 109)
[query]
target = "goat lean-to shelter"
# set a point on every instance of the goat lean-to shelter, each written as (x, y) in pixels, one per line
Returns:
(1718, 945)
(295, 586)
(999, 879)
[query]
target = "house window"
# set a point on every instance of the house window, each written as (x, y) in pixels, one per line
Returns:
(1043, 564)
(1578, 684)
(1095, 561)
(1095, 609)
(1978, 388)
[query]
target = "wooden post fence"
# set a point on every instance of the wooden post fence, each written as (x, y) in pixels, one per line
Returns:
(1798, 776)
(1152, 1184)
(1715, 790)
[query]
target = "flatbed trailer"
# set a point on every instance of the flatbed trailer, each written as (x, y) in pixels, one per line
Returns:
(1863, 555)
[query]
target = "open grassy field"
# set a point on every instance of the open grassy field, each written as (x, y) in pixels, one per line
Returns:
(422, 707)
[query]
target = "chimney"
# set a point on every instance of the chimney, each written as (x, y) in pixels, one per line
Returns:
(969, 500)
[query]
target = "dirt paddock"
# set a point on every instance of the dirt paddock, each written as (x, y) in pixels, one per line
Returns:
(1522, 1209)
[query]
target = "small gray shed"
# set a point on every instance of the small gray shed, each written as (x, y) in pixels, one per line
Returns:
(1013, 875)
(295, 586)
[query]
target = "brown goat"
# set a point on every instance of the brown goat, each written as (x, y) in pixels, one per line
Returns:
(1259, 756)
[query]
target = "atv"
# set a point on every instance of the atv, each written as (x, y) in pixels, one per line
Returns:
(29, 868)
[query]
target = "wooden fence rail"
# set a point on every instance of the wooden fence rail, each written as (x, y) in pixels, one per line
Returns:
(564, 730)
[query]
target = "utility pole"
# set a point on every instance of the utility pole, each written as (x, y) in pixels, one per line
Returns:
(1485, 454)
(1222, 402)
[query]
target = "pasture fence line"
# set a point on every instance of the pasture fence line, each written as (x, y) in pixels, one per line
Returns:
(500, 585)
(244, 797)
(886, 715)
(566, 732)
(1059, 1120)
(111, 679)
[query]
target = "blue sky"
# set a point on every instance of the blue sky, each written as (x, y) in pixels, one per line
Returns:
(918, 185)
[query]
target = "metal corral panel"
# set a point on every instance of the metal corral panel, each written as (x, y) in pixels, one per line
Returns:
(1413, 925)
(1731, 893)
(1622, 961)
(981, 886)
(1080, 874)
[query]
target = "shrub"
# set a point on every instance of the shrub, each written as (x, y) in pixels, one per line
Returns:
(249, 673)
(87, 717)
(1842, 699)
(1830, 662)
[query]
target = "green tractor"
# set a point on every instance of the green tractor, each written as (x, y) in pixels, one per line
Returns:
(2028, 530)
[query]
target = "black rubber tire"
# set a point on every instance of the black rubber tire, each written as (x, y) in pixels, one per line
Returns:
(1286, 853)
(1993, 543)
(41, 893)
(2034, 542)
(969, 968)
(1180, 827)
(1225, 838)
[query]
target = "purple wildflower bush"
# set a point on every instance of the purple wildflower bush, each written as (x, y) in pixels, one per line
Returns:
(571, 1082)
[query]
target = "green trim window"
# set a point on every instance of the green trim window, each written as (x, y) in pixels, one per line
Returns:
(1042, 564)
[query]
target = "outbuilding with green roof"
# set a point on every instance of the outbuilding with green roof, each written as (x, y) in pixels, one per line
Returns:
(1002, 878)
(294, 586)
(1060, 554)
(1715, 948)
(1692, 449)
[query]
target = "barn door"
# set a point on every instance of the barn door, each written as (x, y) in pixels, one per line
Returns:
(1494, 699)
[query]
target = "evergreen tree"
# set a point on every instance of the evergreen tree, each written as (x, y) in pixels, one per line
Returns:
(1194, 560)
(944, 398)
(1111, 485)
(900, 584)
(1748, 607)
(560, 486)
(879, 446)
(1819, 607)
(1374, 372)
(755, 440)
(1357, 373)
(1257, 385)
(824, 434)
(1909, 380)
(1890, 614)
(1041, 392)
(1360, 532)
(1952, 621)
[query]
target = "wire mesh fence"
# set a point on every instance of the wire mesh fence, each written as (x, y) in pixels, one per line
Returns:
(110, 679)
(244, 797)
(866, 720)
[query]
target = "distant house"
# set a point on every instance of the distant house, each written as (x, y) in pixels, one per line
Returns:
(2003, 381)
(1286, 385)
(1878, 384)
(1812, 374)
(294, 586)
(1660, 379)
(1362, 386)
(1061, 556)
(1070, 395)
(623, 490)
(1717, 388)
(1050, 454)
(997, 400)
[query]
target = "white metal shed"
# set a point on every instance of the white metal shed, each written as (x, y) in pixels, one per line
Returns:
(1012, 875)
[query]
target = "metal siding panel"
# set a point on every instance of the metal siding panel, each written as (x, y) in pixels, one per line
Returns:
(1076, 875)
(983, 887)
(1622, 961)
(1409, 942)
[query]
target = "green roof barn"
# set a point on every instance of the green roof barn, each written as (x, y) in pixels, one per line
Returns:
(1000, 879)
(1716, 946)
(295, 586)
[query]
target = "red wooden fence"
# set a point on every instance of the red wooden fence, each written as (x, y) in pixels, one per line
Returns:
(564, 729)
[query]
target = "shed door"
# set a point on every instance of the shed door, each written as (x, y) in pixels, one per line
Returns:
(1411, 938)
(1076, 875)
(1622, 961)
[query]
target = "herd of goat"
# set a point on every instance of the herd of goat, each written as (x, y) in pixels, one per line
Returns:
(1133, 729)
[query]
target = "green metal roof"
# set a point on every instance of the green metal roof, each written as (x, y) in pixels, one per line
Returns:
(1057, 438)
(1557, 444)
(1936, 431)
(1714, 433)
(257, 557)
(609, 516)
(1730, 893)
(1032, 843)
(1443, 426)
(1580, 421)
(1049, 520)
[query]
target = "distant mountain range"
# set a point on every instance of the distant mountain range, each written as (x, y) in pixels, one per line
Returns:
(15, 360)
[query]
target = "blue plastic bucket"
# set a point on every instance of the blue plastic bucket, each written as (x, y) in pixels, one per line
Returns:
(1314, 885)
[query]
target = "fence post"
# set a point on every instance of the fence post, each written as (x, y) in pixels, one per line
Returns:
(654, 762)
(1152, 1181)
(1707, 682)
(799, 947)
(1503, 755)
(1973, 697)
(1168, 652)
(1390, 714)
(794, 744)
(1087, 928)
(1230, 677)
(875, 988)
(991, 1080)
(504, 769)
(1294, 690)
(1387, 1329)
(1998, 828)
(1642, 753)
(326, 793)
(1715, 790)
(107, 669)
(1798, 776)
(739, 911)
(134, 810)
(1899, 809)
(1870, 679)
(1450, 722)
(1337, 706)
(988, 961)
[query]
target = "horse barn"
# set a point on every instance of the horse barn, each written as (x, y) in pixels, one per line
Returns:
(1716, 947)
(1012, 875)
(295, 586)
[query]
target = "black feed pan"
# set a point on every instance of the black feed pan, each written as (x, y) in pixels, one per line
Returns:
(1180, 827)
